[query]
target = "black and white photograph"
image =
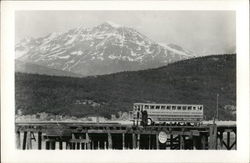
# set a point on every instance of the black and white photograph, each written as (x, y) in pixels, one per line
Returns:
(151, 80)
(97, 80)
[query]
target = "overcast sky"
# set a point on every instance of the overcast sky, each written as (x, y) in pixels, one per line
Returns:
(203, 32)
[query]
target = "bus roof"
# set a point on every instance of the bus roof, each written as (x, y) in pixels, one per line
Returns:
(167, 104)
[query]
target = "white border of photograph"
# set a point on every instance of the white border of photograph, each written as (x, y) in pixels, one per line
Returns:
(10, 154)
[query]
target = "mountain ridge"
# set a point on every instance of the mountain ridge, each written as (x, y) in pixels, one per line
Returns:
(99, 50)
(192, 81)
(30, 68)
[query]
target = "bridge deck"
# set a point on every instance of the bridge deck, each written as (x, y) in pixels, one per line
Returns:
(203, 136)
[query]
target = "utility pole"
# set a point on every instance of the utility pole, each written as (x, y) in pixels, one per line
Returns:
(217, 107)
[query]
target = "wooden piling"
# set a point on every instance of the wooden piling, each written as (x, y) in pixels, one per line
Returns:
(194, 140)
(134, 141)
(149, 141)
(182, 141)
(110, 144)
(171, 141)
(53, 144)
(123, 140)
(88, 141)
(86, 145)
(98, 144)
(203, 142)
(47, 145)
(29, 145)
(24, 139)
(82, 145)
(72, 146)
(18, 140)
(60, 145)
(213, 137)
(138, 140)
(221, 139)
(228, 140)
(105, 145)
(235, 145)
(157, 141)
(39, 140)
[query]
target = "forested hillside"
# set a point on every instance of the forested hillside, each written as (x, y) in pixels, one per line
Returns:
(193, 81)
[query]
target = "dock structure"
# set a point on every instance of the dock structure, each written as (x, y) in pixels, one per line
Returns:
(91, 136)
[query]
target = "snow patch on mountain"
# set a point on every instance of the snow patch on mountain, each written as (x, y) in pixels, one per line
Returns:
(77, 52)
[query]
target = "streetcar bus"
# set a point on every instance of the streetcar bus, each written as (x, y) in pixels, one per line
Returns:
(152, 113)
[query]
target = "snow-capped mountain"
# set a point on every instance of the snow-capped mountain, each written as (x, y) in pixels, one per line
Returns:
(106, 48)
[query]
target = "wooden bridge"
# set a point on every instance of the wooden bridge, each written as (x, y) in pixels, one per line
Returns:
(90, 136)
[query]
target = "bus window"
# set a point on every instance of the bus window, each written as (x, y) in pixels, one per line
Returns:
(173, 107)
(157, 107)
(189, 107)
(200, 107)
(152, 107)
(194, 108)
(163, 107)
(168, 107)
(184, 107)
(146, 107)
(179, 107)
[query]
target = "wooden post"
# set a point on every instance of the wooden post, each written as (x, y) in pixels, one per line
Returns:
(53, 144)
(29, 145)
(85, 145)
(228, 140)
(105, 145)
(60, 145)
(98, 144)
(138, 140)
(182, 141)
(73, 145)
(203, 142)
(77, 145)
(157, 141)
(88, 141)
(235, 133)
(213, 137)
(194, 142)
(110, 144)
(123, 140)
(24, 139)
(134, 141)
(221, 140)
(18, 140)
(47, 145)
(171, 141)
(39, 139)
(68, 145)
(149, 141)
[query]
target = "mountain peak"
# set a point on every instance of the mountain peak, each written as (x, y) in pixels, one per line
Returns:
(109, 24)
(106, 48)
(113, 24)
